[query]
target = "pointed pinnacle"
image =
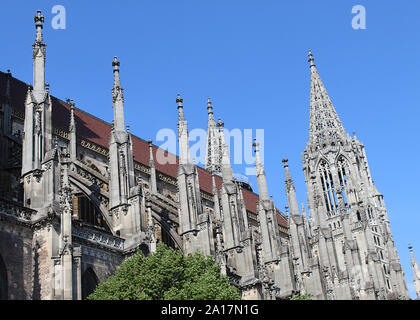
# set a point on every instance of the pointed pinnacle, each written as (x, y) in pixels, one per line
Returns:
(39, 18)
(255, 144)
(209, 106)
(115, 64)
(311, 58)
(179, 100)
(220, 123)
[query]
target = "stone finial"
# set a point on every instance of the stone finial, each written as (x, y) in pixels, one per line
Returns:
(255, 144)
(39, 18)
(220, 123)
(149, 142)
(179, 100)
(311, 58)
(209, 106)
(410, 247)
(180, 107)
(285, 160)
(115, 64)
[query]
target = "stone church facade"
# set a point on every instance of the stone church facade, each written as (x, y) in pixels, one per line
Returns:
(79, 195)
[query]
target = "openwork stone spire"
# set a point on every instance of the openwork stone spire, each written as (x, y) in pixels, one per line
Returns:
(324, 124)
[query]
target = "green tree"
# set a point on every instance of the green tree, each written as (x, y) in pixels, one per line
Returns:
(301, 297)
(166, 275)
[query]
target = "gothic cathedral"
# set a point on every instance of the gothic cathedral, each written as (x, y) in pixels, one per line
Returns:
(79, 195)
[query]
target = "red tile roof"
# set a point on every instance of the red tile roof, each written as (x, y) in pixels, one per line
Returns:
(98, 132)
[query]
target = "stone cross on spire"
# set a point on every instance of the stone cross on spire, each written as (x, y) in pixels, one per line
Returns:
(324, 124)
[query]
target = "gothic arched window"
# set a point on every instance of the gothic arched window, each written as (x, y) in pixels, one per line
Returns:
(343, 171)
(327, 184)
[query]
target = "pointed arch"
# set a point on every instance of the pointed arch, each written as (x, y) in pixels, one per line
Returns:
(95, 201)
(3, 280)
(343, 173)
(171, 234)
(327, 187)
(89, 282)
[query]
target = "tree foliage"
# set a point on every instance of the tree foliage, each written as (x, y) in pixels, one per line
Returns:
(166, 275)
(301, 297)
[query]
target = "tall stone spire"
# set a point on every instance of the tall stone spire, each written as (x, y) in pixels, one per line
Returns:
(275, 256)
(153, 182)
(39, 57)
(126, 214)
(290, 189)
(226, 167)
(72, 133)
(195, 227)
(260, 173)
(117, 98)
(37, 146)
(184, 156)
(416, 272)
(266, 215)
(213, 148)
(324, 123)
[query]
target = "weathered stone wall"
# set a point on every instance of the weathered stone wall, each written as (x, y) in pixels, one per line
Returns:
(16, 252)
(42, 264)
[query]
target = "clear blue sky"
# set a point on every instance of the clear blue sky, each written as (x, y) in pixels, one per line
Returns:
(250, 58)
